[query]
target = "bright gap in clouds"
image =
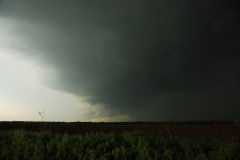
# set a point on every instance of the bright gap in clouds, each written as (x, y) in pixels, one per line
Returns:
(22, 95)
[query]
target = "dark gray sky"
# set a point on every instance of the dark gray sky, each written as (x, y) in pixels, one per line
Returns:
(149, 60)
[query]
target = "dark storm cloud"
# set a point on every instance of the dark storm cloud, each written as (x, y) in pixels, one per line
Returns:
(152, 59)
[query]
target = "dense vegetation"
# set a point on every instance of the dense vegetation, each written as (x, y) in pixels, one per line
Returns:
(26, 145)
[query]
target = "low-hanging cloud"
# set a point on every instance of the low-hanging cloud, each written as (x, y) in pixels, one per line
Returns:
(153, 60)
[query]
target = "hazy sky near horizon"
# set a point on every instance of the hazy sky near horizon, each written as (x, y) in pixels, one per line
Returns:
(119, 61)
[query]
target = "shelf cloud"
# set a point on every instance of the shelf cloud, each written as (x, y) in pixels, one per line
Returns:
(147, 60)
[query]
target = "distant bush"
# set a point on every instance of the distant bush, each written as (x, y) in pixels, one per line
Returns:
(23, 145)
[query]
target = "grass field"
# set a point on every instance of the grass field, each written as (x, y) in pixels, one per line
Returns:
(106, 141)
(43, 145)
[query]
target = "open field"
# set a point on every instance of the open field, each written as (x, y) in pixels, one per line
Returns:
(107, 141)
(197, 130)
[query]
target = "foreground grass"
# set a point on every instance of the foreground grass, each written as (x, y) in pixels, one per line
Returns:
(23, 145)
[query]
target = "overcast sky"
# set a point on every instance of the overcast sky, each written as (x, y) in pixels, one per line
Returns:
(119, 60)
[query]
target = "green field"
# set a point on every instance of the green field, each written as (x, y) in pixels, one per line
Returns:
(28, 145)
